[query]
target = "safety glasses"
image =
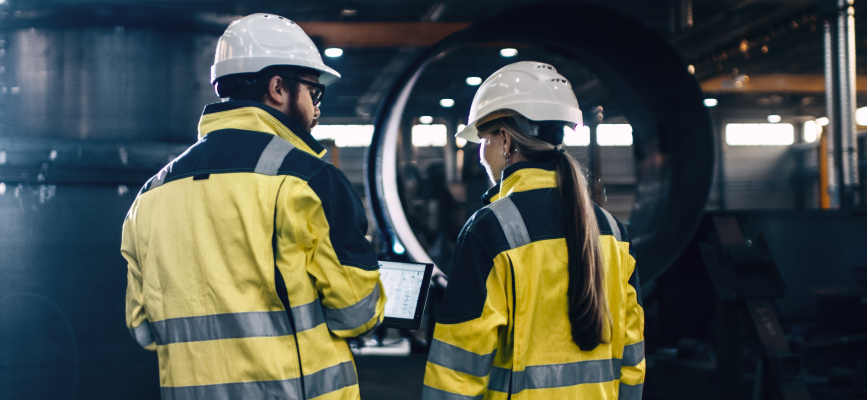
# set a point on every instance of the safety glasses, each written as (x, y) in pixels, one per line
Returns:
(318, 90)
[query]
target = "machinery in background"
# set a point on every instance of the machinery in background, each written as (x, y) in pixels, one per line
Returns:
(763, 305)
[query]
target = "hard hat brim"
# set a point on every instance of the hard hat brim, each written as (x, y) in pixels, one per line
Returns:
(256, 64)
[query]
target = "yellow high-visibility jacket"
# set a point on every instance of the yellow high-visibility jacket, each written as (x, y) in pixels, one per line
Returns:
(248, 264)
(504, 327)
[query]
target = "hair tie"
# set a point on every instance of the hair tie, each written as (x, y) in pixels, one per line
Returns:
(560, 148)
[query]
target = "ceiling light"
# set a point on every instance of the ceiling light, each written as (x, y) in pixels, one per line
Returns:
(474, 81)
(425, 119)
(824, 121)
(710, 102)
(348, 12)
(774, 119)
(508, 52)
(333, 52)
(691, 69)
(447, 103)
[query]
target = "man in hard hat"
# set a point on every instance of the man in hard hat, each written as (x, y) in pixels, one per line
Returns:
(247, 259)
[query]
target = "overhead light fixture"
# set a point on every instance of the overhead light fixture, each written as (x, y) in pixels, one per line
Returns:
(447, 103)
(425, 119)
(509, 52)
(824, 121)
(774, 119)
(348, 12)
(333, 52)
(691, 69)
(710, 102)
(474, 81)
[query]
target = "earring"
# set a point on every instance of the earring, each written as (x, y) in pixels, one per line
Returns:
(507, 155)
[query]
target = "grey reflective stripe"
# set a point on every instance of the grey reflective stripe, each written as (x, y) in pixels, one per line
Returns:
(633, 354)
(222, 326)
(273, 155)
(330, 379)
(354, 316)
(289, 389)
(458, 359)
(499, 380)
(511, 221)
(615, 229)
(160, 177)
(142, 334)
(555, 375)
(308, 316)
(429, 393)
(630, 392)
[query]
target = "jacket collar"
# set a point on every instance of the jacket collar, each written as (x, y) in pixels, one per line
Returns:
(255, 116)
(524, 176)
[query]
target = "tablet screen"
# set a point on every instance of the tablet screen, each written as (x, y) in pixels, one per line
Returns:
(406, 287)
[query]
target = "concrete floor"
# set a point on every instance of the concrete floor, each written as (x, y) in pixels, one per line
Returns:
(391, 378)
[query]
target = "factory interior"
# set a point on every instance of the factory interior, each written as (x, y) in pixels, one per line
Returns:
(728, 136)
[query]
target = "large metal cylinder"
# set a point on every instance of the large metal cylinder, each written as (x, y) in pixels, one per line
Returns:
(87, 114)
(673, 138)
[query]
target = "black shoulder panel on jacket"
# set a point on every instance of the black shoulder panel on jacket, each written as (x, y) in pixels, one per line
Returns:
(542, 214)
(231, 151)
(346, 217)
(481, 239)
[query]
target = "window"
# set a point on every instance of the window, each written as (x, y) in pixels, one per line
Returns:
(614, 135)
(429, 135)
(581, 137)
(760, 134)
(345, 135)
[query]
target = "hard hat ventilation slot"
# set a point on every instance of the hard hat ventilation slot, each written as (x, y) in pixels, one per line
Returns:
(561, 81)
(546, 66)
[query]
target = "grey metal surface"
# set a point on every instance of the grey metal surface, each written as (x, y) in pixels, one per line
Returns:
(105, 83)
(62, 329)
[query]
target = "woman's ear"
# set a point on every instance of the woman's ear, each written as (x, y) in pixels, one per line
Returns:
(507, 141)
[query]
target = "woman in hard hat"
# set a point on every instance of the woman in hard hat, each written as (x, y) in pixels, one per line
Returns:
(543, 301)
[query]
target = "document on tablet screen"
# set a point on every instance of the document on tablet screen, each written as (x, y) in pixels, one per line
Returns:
(403, 284)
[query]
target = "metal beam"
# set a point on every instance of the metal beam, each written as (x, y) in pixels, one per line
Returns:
(772, 83)
(381, 34)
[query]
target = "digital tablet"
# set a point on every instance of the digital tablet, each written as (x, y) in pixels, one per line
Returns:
(406, 286)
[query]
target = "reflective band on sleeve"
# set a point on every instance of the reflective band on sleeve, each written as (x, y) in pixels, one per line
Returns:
(613, 223)
(289, 389)
(308, 316)
(555, 375)
(511, 221)
(160, 177)
(142, 334)
(222, 326)
(273, 155)
(633, 354)
(354, 316)
(630, 392)
(458, 359)
(329, 380)
(429, 393)
(499, 380)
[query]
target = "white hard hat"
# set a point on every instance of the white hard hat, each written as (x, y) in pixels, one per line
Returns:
(258, 41)
(532, 89)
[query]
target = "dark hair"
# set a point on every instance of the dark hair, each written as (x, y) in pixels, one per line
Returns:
(254, 86)
(588, 308)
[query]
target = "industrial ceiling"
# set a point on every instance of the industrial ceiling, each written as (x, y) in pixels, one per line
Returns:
(776, 44)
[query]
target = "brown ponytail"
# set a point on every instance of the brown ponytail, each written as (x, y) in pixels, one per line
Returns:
(589, 314)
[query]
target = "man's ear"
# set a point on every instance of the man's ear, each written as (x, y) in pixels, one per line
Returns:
(276, 91)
